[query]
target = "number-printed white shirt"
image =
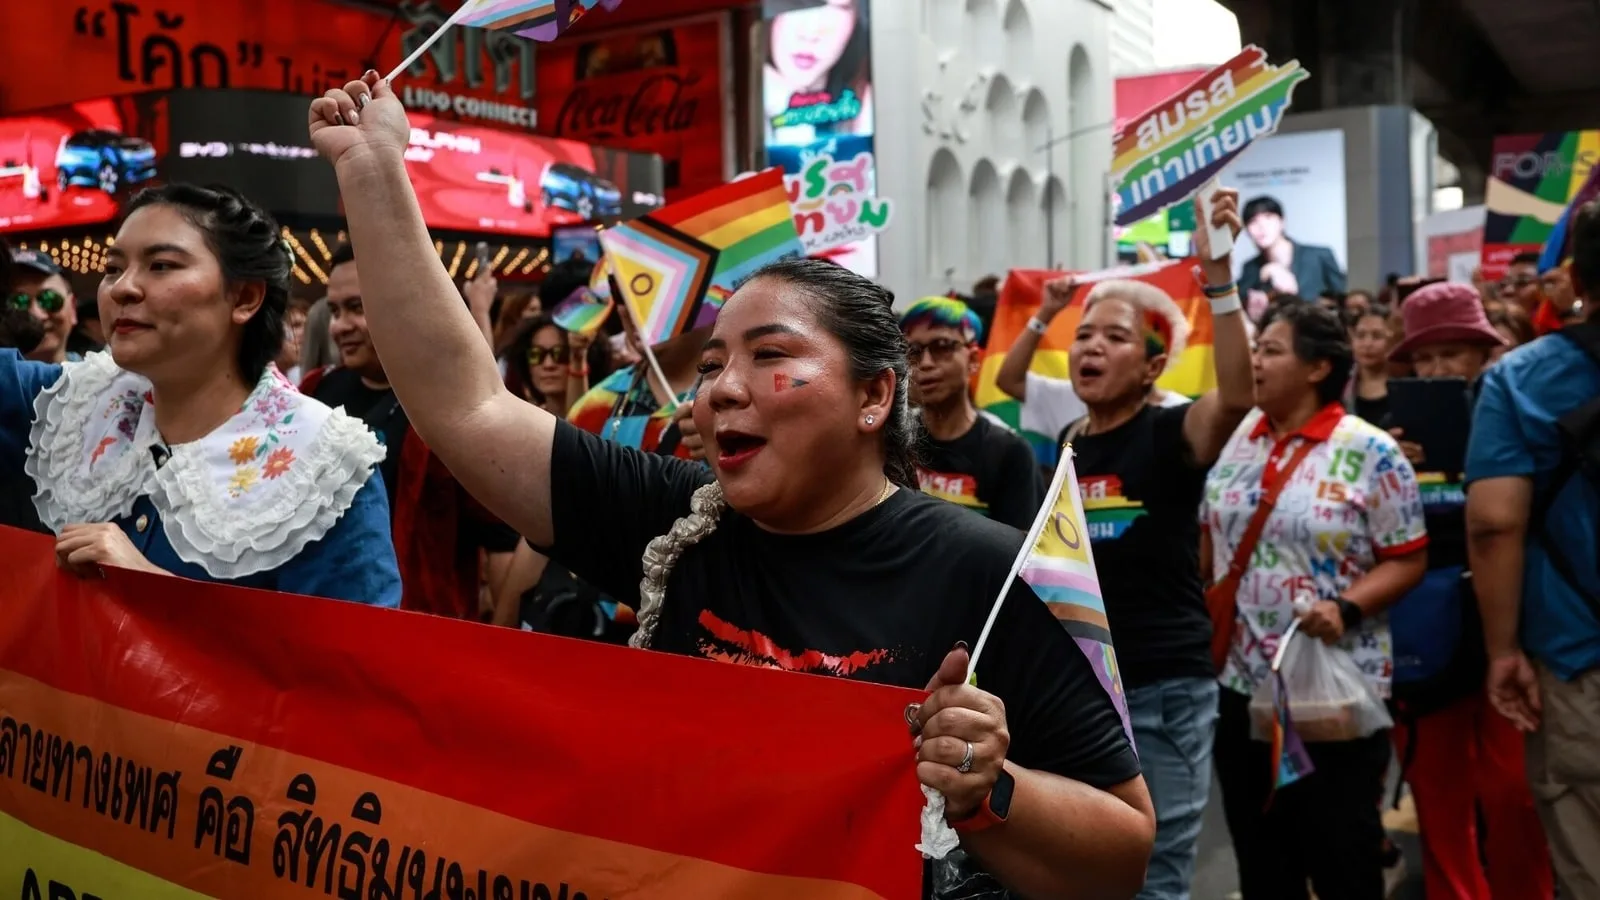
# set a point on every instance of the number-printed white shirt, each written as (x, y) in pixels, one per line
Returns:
(1351, 502)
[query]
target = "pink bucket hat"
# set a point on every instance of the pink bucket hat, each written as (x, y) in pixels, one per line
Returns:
(1444, 312)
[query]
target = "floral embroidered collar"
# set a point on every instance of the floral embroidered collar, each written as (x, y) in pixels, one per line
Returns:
(246, 498)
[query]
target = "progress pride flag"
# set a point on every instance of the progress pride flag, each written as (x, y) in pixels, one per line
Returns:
(166, 738)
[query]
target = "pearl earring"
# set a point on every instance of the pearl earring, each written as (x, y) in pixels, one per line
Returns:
(871, 420)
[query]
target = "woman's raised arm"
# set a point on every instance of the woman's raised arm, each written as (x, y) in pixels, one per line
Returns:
(433, 352)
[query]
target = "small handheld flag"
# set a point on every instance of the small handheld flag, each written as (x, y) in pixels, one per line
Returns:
(582, 312)
(1057, 563)
(1558, 247)
(677, 265)
(541, 20)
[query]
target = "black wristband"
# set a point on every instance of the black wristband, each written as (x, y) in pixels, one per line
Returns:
(1349, 613)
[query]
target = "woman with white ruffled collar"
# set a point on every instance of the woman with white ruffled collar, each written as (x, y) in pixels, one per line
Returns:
(181, 449)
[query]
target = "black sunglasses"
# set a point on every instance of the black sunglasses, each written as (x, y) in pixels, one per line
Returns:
(49, 300)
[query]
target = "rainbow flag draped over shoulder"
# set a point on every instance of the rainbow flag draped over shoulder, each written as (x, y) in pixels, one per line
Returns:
(165, 738)
(1020, 296)
(676, 265)
(1060, 569)
(542, 20)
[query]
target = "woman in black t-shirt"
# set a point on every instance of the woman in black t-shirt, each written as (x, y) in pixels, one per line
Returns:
(1141, 469)
(805, 547)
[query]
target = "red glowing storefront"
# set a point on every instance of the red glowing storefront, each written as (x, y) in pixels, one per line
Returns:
(659, 77)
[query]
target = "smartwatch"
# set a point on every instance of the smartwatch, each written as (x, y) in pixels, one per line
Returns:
(1349, 613)
(995, 808)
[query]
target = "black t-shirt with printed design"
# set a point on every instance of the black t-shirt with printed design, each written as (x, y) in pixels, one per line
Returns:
(1141, 496)
(882, 598)
(988, 470)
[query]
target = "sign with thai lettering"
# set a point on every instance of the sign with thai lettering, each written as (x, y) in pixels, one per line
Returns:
(1163, 157)
(163, 738)
(834, 203)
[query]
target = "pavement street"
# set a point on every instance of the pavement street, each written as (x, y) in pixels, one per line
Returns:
(1216, 877)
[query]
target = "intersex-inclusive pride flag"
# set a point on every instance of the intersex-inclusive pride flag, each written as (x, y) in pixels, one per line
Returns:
(1020, 296)
(1060, 568)
(676, 265)
(1164, 156)
(163, 738)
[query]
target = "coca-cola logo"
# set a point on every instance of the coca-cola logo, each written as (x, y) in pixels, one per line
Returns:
(658, 105)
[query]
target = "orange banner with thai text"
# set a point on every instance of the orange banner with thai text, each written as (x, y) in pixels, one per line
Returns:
(167, 738)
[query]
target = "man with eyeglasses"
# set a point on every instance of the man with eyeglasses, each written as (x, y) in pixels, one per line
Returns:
(40, 289)
(967, 458)
(1521, 282)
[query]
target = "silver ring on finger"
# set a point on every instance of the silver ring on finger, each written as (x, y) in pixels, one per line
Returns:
(966, 761)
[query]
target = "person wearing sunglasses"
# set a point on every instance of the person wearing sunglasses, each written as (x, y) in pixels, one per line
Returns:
(40, 289)
(966, 458)
(543, 368)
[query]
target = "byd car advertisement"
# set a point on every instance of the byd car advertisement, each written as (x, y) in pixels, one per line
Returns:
(74, 165)
(471, 178)
(69, 166)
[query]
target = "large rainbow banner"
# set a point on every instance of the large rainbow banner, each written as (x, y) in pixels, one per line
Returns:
(1163, 157)
(162, 738)
(1020, 296)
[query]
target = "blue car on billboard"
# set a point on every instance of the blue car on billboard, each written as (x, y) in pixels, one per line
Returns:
(105, 160)
(575, 189)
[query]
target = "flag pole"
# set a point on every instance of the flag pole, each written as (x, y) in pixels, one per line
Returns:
(416, 54)
(1039, 521)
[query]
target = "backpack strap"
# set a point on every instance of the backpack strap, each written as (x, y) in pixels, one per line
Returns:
(1578, 427)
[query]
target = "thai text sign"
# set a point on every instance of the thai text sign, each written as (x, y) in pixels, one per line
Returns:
(833, 202)
(164, 738)
(1162, 157)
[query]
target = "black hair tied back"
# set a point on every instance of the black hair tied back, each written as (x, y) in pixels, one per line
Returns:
(249, 247)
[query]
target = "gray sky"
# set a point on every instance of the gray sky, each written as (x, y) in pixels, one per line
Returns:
(1194, 32)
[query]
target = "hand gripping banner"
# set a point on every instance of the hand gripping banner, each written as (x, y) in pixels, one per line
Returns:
(162, 738)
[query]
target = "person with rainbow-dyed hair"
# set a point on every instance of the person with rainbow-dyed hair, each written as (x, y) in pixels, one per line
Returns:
(966, 457)
(1142, 471)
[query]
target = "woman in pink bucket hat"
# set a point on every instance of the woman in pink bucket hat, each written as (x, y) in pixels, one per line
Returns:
(1458, 754)
(1447, 333)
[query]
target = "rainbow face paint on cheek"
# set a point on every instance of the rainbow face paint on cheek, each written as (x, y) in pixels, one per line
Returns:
(782, 382)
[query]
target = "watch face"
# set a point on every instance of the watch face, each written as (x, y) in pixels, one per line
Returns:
(1000, 795)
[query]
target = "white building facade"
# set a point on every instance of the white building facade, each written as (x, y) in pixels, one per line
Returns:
(993, 138)
(1133, 36)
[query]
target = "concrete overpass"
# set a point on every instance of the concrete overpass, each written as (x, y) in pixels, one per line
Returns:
(1475, 68)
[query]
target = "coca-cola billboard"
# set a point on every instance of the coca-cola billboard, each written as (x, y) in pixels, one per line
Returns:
(655, 91)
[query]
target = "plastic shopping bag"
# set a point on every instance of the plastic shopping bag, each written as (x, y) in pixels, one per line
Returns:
(1329, 698)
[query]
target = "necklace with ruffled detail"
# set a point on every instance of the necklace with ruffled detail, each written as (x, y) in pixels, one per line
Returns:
(244, 499)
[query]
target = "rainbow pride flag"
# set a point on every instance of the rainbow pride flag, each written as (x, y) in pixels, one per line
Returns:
(165, 738)
(1164, 156)
(677, 265)
(1020, 296)
(542, 20)
(1290, 760)
(1060, 569)
(582, 311)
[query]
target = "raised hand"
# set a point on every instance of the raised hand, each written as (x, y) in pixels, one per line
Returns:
(364, 120)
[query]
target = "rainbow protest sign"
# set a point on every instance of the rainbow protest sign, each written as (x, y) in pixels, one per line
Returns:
(1164, 156)
(1020, 296)
(833, 202)
(1060, 569)
(163, 738)
(676, 265)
